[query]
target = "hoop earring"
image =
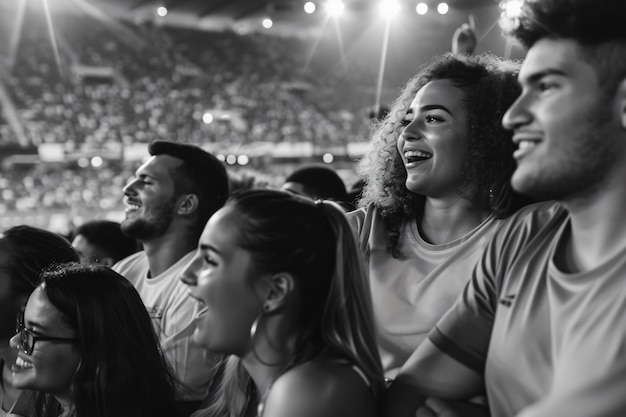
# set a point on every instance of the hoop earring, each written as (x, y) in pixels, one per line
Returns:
(253, 331)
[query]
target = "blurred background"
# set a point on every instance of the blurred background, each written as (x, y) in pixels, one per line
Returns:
(267, 85)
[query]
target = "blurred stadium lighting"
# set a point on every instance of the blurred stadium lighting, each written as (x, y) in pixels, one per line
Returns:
(309, 7)
(83, 162)
(231, 159)
(267, 23)
(389, 8)
(207, 118)
(335, 7)
(443, 8)
(511, 8)
(328, 158)
(221, 157)
(421, 8)
(162, 11)
(96, 161)
(243, 160)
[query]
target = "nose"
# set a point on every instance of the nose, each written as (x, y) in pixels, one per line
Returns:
(189, 276)
(14, 342)
(129, 189)
(411, 131)
(517, 115)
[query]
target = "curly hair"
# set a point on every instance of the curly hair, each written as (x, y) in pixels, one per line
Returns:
(597, 27)
(490, 86)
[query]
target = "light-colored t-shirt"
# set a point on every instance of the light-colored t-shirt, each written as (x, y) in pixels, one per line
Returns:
(550, 343)
(173, 315)
(410, 294)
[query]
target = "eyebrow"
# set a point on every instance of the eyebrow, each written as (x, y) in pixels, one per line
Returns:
(427, 107)
(532, 78)
(209, 247)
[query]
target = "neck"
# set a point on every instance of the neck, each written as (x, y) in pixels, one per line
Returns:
(597, 230)
(446, 220)
(10, 394)
(166, 250)
(273, 346)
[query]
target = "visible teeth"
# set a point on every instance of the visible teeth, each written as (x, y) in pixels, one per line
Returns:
(417, 154)
(22, 363)
(525, 144)
(133, 207)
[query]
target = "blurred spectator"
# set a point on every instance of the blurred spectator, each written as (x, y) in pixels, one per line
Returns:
(318, 182)
(102, 242)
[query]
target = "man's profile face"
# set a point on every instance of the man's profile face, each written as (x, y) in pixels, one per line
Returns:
(563, 126)
(150, 199)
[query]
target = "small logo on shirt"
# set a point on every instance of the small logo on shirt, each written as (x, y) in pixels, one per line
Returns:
(507, 300)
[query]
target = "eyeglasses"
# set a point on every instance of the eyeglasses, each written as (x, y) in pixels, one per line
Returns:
(28, 338)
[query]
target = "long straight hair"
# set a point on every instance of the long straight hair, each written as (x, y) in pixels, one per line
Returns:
(314, 242)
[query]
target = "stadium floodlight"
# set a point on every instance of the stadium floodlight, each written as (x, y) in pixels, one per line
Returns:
(511, 8)
(328, 157)
(334, 7)
(389, 8)
(243, 160)
(162, 11)
(309, 7)
(421, 8)
(207, 118)
(267, 23)
(443, 8)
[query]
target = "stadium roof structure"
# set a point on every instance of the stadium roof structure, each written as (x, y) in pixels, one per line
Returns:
(413, 37)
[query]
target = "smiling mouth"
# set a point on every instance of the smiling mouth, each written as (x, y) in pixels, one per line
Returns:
(131, 207)
(22, 364)
(412, 157)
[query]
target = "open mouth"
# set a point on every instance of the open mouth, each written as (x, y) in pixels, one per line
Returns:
(412, 157)
(22, 364)
(132, 206)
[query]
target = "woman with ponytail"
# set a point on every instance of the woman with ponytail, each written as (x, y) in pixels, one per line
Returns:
(287, 296)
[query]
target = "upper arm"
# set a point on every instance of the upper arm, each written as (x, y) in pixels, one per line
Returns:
(317, 392)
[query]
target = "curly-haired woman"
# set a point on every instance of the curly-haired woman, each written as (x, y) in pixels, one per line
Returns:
(437, 186)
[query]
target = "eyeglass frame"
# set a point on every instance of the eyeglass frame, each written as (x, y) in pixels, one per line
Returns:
(25, 335)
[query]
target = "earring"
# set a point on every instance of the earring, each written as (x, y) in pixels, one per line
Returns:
(253, 330)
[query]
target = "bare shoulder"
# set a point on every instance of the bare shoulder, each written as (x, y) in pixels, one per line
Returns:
(320, 388)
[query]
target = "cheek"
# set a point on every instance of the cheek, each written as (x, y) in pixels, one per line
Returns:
(55, 371)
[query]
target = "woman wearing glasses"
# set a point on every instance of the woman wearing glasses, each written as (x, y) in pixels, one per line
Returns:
(24, 252)
(86, 345)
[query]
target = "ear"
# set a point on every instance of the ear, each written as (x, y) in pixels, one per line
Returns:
(620, 97)
(188, 204)
(279, 288)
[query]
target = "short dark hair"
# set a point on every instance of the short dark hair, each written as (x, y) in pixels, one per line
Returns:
(107, 237)
(201, 173)
(597, 26)
(320, 182)
(34, 249)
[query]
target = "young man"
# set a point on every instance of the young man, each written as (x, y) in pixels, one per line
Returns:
(168, 203)
(541, 325)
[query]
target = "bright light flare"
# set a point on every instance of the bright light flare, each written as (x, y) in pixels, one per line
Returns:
(335, 7)
(243, 160)
(268, 23)
(511, 8)
(309, 7)
(442, 8)
(389, 8)
(207, 118)
(421, 9)
(162, 11)
(328, 158)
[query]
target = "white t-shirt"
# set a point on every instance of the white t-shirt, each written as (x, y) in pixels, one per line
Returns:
(410, 294)
(172, 311)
